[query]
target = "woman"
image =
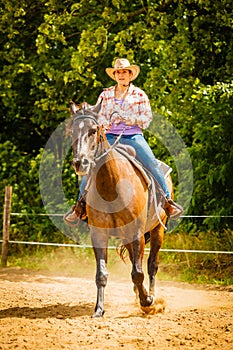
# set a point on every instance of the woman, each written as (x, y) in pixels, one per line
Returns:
(130, 109)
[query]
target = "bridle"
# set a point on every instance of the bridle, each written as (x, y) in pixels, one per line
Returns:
(101, 138)
(85, 116)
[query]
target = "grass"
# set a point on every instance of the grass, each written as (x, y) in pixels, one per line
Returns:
(186, 267)
(198, 267)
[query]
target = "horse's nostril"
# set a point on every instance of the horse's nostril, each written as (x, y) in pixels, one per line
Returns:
(85, 161)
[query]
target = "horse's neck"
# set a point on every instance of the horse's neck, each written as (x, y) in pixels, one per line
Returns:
(107, 171)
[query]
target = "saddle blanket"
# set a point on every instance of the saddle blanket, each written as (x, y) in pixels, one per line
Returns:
(129, 153)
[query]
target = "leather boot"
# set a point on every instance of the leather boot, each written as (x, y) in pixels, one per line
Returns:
(172, 209)
(76, 213)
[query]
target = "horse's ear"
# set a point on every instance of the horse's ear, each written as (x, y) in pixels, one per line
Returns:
(73, 108)
(97, 107)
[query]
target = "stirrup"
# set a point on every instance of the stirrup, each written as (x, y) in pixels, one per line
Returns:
(70, 218)
(172, 209)
(76, 213)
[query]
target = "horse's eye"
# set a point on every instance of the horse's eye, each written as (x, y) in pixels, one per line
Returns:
(91, 132)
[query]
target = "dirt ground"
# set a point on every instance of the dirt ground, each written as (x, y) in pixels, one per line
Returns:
(51, 311)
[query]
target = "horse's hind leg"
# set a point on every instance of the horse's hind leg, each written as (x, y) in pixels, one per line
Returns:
(136, 250)
(156, 241)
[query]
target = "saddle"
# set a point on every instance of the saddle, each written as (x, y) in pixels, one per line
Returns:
(130, 153)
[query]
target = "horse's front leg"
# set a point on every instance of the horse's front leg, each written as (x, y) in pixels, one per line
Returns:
(101, 277)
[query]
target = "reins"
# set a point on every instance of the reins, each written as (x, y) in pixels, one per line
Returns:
(111, 147)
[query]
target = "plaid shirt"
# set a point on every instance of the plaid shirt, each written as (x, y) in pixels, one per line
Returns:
(135, 108)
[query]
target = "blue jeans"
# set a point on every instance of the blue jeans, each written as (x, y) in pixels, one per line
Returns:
(143, 153)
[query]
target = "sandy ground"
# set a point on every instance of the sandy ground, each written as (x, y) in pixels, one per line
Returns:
(49, 311)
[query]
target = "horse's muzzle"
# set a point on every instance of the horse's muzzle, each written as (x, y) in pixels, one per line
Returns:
(76, 163)
(81, 166)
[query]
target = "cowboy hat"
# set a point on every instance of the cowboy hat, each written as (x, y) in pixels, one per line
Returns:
(123, 63)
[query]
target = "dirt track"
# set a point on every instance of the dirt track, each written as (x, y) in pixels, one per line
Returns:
(44, 311)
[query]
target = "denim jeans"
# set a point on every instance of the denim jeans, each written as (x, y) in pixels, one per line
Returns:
(143, 153)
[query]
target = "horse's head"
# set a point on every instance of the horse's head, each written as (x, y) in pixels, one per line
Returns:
(84, 131)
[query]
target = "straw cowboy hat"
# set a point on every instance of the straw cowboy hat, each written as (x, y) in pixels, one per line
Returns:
(123, 63)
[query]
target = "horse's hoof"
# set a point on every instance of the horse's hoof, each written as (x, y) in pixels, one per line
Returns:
(98, 313)
(148, 301)
(158, 306)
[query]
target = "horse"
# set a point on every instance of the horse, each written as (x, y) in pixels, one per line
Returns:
(117, 204)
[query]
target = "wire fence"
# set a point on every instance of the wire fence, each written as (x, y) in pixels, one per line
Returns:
(182, 216)
(85, 246)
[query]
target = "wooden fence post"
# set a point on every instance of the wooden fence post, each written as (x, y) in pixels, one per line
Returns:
(6, 224)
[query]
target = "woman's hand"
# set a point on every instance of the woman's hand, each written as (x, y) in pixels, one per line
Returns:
(116, 119)
(128, 121)
(131, 121)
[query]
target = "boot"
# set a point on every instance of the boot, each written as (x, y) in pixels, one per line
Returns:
(76, 213)
(172, 209)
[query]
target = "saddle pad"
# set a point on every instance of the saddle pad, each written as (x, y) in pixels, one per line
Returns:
(166, 169)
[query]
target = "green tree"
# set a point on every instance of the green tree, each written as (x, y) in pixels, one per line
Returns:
(54, 51)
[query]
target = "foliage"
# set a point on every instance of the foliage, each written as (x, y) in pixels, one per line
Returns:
(54, 51)
(198, 267)
(213, 141)
(189, 267)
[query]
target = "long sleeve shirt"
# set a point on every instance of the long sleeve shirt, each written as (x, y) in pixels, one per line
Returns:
(134, 109)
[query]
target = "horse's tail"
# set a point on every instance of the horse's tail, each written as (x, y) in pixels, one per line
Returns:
(121, 249)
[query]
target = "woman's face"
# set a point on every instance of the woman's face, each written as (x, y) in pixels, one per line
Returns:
(123, 76)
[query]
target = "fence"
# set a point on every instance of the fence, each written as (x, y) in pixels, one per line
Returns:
(6, 232)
